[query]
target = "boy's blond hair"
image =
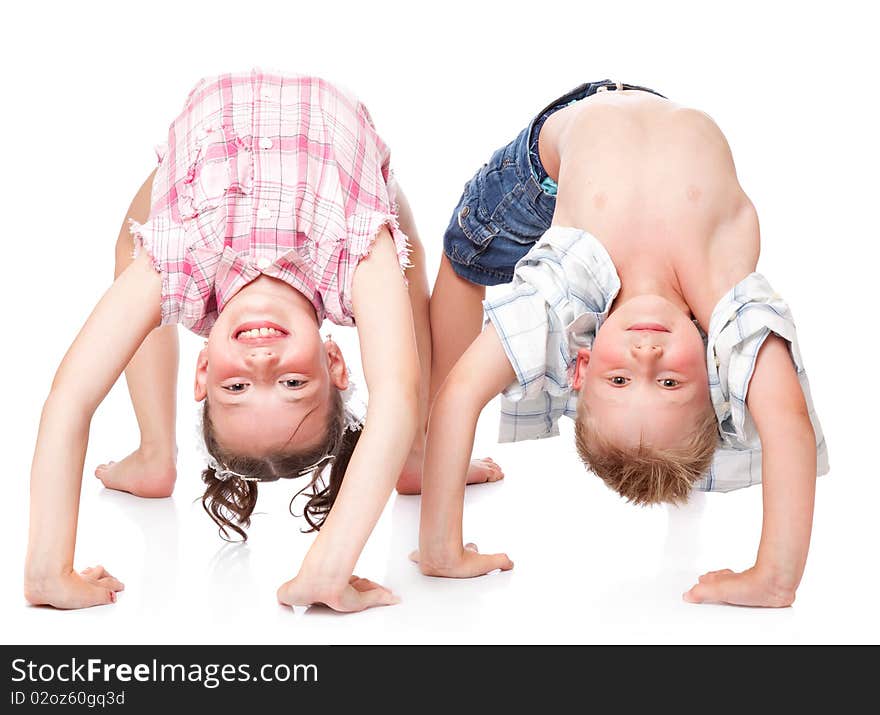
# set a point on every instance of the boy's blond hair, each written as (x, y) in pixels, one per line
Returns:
(647, 475)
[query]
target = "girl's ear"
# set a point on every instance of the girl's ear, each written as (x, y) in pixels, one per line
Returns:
(580, 368)
(201, 386)
(336, 365)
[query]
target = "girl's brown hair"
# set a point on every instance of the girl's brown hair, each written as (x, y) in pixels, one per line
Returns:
(230, 502)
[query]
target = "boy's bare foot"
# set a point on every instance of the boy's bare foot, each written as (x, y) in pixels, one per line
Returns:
(140, 473)
(479, 472)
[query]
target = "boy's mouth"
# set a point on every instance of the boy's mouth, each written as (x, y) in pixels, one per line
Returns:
(259, 330)
(656, 327)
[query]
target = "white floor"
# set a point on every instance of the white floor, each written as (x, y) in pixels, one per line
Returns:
(589, 568)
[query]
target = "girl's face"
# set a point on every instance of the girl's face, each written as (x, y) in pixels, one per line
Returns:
(266, 372)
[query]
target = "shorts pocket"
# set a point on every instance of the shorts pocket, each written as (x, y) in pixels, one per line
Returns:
(503, 202)
(471, 220)
(517, 219)
(493, 182)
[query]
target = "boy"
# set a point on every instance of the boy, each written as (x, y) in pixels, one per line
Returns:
(606, 323)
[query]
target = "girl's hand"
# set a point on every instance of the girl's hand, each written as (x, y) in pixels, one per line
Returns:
(93, 586)
(358, 595)
(469, 563)
(749, 588)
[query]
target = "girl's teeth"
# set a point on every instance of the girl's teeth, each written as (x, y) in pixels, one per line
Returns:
(259, 333)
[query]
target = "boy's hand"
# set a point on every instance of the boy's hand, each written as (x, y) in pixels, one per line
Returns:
(469, 563)
(358, 595)
(749, 588)
(93, 586)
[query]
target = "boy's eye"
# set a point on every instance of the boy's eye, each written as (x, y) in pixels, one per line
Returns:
(669, 382)
(619, 380)
(237, 387)
(293, 383)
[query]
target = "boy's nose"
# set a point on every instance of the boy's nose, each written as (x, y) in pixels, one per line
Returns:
(647, 351)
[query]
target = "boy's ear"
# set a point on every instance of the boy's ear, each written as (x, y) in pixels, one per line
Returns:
(580, 368)
(201, 384)
(336, 365)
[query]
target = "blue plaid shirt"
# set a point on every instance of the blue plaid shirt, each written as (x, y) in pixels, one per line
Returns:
(560, 296)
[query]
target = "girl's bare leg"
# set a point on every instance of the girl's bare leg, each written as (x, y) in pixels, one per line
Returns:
(149, 471)
(460, 333)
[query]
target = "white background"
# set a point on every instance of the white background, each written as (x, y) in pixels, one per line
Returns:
(89, 88)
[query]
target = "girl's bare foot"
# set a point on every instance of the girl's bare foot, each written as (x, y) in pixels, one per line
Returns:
(479, 472)
(142, 473)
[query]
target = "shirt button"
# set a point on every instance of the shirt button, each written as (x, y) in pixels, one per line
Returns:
(264, 214)
(263, 263)
(266, 93)
(265, 143)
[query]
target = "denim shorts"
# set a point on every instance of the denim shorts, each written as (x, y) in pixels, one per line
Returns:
(508, 205)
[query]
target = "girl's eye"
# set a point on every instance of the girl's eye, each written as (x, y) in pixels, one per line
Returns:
(293, 383)
(619, 380)
(669, 382)
(237, 387)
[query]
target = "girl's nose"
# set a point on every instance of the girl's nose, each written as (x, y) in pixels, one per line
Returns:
(256, 358)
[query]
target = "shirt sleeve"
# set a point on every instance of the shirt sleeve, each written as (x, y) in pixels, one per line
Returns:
(530, 406)
(741, 323)
(371, 202)
(561, 291)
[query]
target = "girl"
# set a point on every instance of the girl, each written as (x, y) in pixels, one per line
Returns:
(272, 207)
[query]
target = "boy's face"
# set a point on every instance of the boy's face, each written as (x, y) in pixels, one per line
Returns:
(645, 380)
(264, 389)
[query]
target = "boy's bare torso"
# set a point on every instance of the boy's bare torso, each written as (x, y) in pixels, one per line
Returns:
(656, 183)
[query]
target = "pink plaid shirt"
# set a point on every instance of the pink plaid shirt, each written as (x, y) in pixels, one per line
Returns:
(266, 174)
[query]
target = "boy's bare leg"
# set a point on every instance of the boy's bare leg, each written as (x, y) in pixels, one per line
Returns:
(456, 321)
(481, 470)
(149, 471)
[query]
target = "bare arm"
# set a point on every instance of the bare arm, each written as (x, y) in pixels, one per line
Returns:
(391, 368)
(480, 374)
(123, 317)
(788, 443)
